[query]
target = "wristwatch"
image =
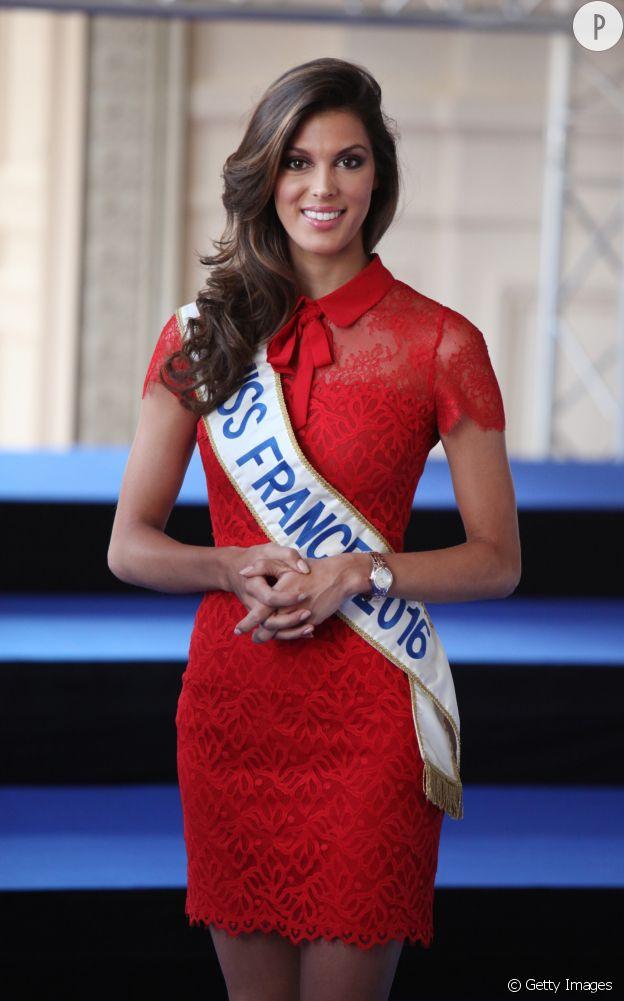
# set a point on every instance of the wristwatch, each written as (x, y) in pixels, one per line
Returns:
(381, 578)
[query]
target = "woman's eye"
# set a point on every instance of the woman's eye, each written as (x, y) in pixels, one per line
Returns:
(297, 159)
(357, 159)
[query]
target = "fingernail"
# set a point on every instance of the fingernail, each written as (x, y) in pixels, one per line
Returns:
(300, 597)
(308, 630)
(237, 631)
(303, 566)
(245, 570)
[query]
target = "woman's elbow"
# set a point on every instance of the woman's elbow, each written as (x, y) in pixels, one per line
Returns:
(506, 572)
(115, 563)
(510, 579)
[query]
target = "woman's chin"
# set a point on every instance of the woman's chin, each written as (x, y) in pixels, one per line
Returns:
(327, 244)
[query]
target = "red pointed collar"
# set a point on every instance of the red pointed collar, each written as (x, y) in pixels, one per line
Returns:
(306, 342)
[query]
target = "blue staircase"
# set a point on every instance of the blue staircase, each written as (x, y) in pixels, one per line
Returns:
(92, 857)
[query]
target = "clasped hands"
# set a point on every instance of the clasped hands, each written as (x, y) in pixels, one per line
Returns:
(304, 592)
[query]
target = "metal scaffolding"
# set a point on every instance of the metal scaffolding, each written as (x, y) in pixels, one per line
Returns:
(578, 87)
(473, 15)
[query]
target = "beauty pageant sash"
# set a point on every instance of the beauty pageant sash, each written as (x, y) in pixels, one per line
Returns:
(253, 439)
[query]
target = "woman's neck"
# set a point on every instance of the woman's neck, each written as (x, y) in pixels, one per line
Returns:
(320, 274)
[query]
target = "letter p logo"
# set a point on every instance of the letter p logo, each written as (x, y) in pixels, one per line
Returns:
(598, 26)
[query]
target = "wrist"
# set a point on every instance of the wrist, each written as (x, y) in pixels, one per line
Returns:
(356, 577)
(226, 560)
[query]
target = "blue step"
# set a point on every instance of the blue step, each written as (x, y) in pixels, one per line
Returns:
(132, 837)
(157, 627)
(93, 474)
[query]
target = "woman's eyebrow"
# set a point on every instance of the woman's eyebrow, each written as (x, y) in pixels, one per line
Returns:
(299, 149)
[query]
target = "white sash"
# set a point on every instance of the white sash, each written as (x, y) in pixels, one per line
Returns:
(253, 439)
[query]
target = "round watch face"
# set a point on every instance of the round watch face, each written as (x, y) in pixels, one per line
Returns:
(383, 578)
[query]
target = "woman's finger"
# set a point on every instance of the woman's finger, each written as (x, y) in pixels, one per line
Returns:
(294, 634)
(255, 617)
(271, 567)
(260, 614)
(285, 623)
(258, 588)
(287, 619)
(293, 558)
(262, 634)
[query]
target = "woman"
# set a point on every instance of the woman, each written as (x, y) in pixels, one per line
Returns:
(311, 825)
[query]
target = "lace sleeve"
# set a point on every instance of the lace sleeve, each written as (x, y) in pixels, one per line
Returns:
(464, 381)
(169, 340)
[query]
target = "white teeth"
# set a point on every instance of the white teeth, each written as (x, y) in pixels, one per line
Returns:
(323, 216)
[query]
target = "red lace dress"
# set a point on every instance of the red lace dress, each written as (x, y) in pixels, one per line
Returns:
(299, 769)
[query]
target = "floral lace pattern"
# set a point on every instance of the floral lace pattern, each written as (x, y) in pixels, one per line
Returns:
(299, 769)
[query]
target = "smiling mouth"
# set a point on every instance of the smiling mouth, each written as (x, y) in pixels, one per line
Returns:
(330, 215)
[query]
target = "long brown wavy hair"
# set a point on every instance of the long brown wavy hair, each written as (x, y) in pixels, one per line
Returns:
(252, 289)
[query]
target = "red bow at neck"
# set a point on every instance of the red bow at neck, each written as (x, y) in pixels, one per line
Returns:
(304, 343)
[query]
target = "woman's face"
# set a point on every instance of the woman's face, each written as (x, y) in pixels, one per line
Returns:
(327, 167)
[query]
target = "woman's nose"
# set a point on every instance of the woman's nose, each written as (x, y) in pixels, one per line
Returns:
(323, 183)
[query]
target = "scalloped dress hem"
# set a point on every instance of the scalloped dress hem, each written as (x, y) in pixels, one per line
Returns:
(309, 933)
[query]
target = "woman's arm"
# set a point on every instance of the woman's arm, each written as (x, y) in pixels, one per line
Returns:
(140, 552)
(488, 564)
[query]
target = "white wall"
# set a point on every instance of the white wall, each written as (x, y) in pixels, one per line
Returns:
(42, 93)
(470, 109)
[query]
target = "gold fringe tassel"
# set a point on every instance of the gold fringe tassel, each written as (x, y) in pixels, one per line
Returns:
(441, 791)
